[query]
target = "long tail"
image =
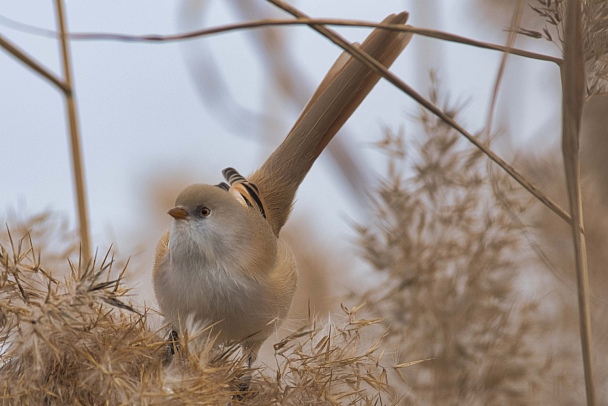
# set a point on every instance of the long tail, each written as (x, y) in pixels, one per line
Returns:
(344, 87)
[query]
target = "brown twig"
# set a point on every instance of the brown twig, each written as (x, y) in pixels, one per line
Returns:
(480, 44)
(67, 89)
(34, 65)
(573, 87)
(74, 136)
(393, 79)
(270, 22)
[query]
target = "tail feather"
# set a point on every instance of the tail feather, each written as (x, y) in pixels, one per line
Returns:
(344, 87)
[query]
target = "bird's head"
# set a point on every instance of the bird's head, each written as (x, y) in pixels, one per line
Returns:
(212, 224)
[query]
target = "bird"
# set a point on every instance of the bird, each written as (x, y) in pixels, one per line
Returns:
(223, 261)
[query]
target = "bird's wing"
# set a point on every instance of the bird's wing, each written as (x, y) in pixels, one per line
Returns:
(161, 251)
(246, 191)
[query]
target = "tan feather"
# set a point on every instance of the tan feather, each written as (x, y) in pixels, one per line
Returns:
(161, 251)
(344, 87)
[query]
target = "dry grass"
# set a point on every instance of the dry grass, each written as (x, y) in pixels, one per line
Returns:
(595, 36)
(70, 336)
(449, 254)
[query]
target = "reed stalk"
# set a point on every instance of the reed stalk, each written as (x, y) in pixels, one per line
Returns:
(573, 87)
(77, 166)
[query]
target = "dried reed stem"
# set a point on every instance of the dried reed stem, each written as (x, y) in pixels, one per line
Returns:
(393, 79)
(33, 64)
(81, 199)
(446, 36)
(272, 22)
(573, 84)
(66, 87)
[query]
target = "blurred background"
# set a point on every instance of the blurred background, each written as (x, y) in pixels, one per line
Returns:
(155, 117)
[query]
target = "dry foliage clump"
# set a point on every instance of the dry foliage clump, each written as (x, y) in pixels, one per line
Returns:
(449, 250)
(70, 336)
(69, 340)
(595, 36)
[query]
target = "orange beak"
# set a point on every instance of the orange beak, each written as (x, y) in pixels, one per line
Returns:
(178, 213)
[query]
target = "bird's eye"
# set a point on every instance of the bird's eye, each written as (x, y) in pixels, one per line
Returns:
(204, 212)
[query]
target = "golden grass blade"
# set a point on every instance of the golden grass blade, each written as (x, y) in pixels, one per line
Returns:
(81, 199)
(573, 88)
(409, 364)
(393, 79)
(29, 61)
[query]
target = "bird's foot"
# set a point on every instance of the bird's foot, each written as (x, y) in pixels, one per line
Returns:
(171, 347)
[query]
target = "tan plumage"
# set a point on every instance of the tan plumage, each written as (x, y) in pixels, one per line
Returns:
(344, 87)
(222, 260)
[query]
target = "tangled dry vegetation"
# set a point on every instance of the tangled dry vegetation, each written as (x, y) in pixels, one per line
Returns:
(446, 242)
(595, 34)
(70, 336)
(451, 321)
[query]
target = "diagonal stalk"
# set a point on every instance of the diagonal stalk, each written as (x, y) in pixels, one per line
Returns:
(33, 64)
(393, 79)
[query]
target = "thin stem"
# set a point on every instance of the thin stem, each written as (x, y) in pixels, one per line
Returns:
(480, 44)
(573, 87)
(268, 22)
(81, 200)
(34, 65)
